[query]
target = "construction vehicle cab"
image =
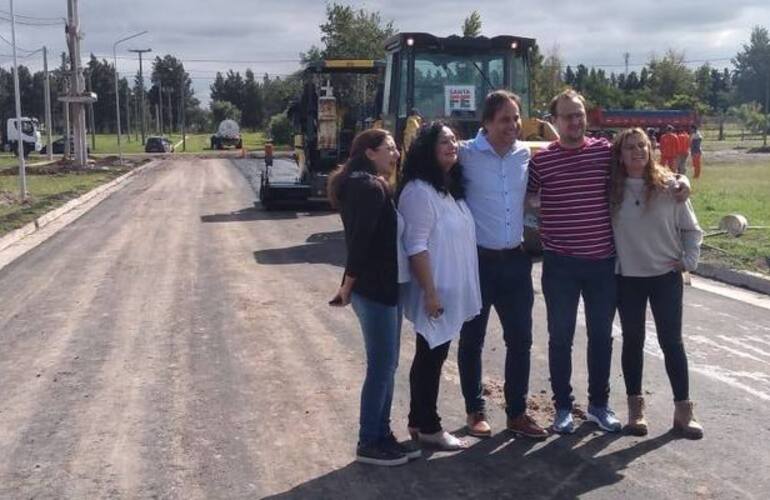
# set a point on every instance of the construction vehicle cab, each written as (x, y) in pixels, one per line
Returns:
(430, 78)
(339, 99)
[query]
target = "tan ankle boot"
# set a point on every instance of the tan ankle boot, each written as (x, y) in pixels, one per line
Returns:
(637, 424)
(684, 420)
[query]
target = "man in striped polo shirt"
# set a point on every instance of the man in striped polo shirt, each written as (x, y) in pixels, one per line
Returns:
(571, 177)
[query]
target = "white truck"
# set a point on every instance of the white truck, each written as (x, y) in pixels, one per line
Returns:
(228, 134)
(30, 135)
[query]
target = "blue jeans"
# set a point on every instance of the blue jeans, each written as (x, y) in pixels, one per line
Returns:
(564, 280)
(381, 327)
(506, 284)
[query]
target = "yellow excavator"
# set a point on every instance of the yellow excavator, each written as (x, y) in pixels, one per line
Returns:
(325, 120)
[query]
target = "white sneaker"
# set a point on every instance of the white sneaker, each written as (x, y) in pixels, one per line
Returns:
(443, 441)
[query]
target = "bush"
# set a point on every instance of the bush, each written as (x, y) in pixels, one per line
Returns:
(280, 129)
(224, 110)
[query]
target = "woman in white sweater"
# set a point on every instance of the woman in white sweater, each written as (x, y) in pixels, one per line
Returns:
(440, 239)
(656, 238)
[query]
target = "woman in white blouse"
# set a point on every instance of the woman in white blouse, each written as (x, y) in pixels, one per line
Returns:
(440, 239)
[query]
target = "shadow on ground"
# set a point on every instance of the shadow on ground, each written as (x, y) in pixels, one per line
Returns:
(257, 213)
(319, 248)
(500, 467)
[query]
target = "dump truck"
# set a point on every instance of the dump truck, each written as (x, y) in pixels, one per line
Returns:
(608, 121)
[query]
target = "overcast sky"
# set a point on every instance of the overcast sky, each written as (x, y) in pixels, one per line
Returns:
(267, 35)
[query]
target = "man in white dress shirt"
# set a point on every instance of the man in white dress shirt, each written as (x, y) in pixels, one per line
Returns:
(495, 173)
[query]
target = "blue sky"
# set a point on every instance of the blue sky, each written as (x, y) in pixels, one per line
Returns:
(267, 35)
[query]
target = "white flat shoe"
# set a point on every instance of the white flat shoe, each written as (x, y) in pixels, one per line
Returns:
(443, 441)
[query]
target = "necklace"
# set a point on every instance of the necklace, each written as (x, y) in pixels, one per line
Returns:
(637, 194)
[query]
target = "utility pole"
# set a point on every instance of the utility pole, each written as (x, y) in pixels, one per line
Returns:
(128, 112)
(48, 121)
(91, 120)
(625, 57)
(117, 88)
(67, 132)
(19, 141)
(141, 87)
(767, 105)
(78, 96)
(182, 114)
(160, 102)
(170, 111)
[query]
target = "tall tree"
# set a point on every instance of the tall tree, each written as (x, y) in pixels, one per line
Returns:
(169, 73)
(669, 76)
(752, 68)
(252, 110)
(354, 33)
(472, 24)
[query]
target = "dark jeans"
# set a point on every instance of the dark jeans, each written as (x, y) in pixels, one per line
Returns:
(424, 379)
(381, 327)
(506, 284)
(565, 280)
(665, 295)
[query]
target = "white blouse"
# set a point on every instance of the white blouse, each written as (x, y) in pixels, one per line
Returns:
(445, 228)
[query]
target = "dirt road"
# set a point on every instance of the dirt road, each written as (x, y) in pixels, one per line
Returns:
(175, 342)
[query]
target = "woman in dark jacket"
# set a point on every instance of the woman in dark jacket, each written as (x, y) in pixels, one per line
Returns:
(363, 196)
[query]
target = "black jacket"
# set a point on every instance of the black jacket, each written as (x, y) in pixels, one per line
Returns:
(369, 217)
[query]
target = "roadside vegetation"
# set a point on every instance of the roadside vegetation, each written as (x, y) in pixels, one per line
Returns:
(48, 189)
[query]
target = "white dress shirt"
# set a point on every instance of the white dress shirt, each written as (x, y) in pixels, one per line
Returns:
(442, 226)
(495, 188)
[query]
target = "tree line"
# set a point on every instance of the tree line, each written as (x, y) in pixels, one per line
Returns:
(664, 82)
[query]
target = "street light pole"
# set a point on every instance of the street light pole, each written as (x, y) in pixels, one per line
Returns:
(48, 122)
(19, 141)
(117, 92)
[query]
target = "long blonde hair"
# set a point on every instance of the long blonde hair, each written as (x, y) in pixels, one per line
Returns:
(655, 175)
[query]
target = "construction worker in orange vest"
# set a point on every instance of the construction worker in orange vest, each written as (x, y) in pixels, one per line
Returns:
(669, 145)
(683, 139)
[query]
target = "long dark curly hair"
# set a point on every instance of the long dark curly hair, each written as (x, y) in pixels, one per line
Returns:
(421, 163)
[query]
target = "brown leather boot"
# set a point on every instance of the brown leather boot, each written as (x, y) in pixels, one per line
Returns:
(524, 425)
(478, 425)
(637, 424)
(684, 420)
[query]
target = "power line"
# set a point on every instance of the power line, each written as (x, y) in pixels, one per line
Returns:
(35, 18)
(11, 44)
(32, 23)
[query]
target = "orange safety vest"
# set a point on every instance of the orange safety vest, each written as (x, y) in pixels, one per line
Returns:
(669, 145)
(683, 138)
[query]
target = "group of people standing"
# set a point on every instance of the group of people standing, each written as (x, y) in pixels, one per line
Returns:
(677, 146)
(444, 248)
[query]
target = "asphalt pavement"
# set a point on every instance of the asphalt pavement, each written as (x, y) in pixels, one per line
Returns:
(176, 342)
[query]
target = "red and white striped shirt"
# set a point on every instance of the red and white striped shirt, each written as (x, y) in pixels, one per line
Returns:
(574, 198)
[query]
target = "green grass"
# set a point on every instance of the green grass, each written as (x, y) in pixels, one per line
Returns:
(735, 188)
(107, 144)
(46, 192)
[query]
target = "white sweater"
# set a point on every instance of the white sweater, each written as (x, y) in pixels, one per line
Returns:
(649, 236)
